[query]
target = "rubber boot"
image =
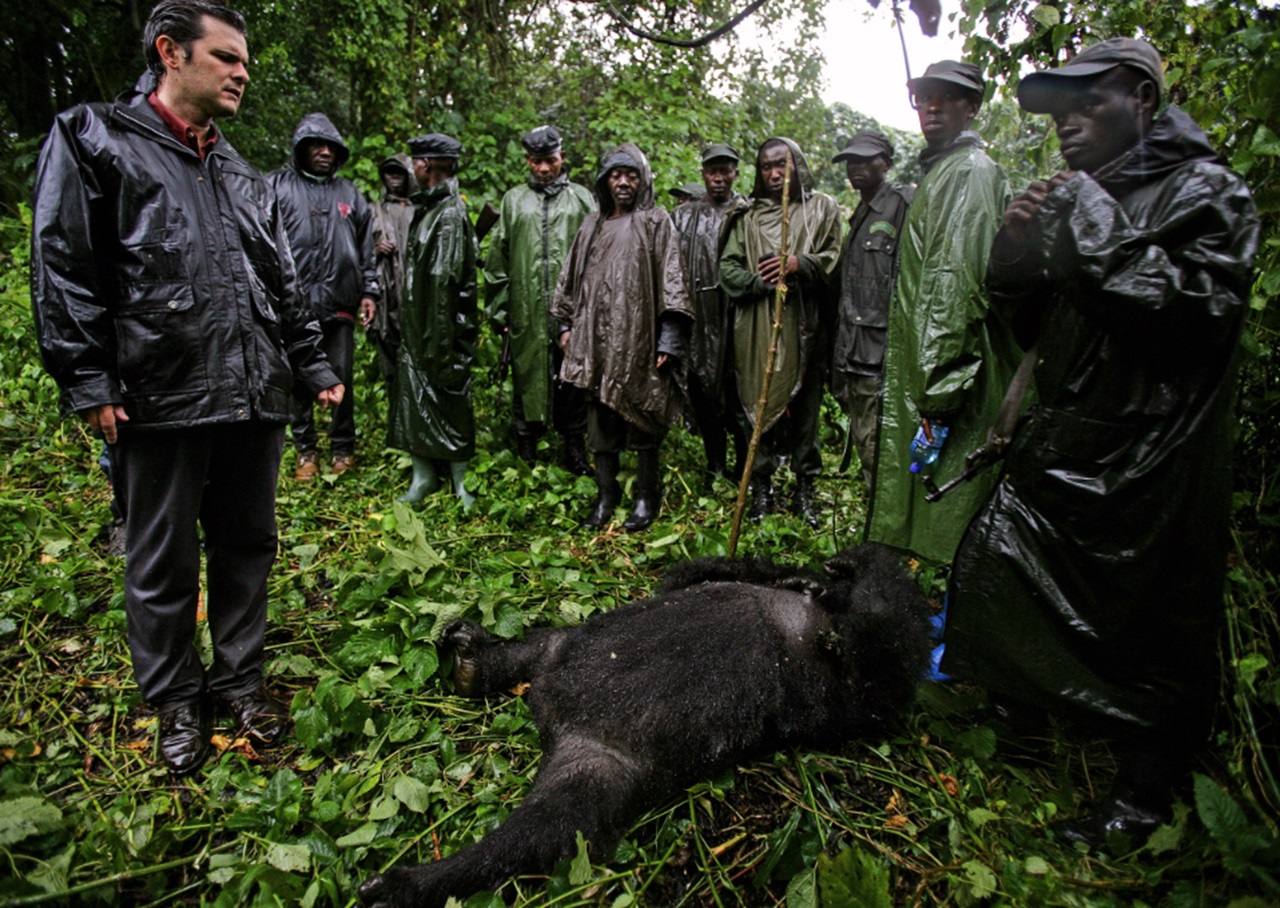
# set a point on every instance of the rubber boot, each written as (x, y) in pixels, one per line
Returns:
(648, 492)
(761, 498)
(575, 455)
(802, 501)
(424, 482)
(459, 470)
(527, 447)
(609, 492)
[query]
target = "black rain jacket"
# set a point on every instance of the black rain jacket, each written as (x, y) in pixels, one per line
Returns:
(1093, 577)
(162, 282)
(330, 228)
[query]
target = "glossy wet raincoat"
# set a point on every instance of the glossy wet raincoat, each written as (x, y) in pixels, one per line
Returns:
(330, 228)
(698, 223)
(752, 232)
(622, 293)
(948, 357)
(392, 216)
(1093, 577)
(536, 227)
(431, 415)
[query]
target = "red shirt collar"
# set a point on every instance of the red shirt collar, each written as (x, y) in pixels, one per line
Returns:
(181, 130)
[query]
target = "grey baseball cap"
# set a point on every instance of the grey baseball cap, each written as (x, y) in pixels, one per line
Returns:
(866, 143)
(720, 150)
(1037, 91)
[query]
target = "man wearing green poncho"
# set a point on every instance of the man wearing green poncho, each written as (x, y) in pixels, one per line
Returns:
(749, 273)
(949, 360)
(431, 415)
(537, 225)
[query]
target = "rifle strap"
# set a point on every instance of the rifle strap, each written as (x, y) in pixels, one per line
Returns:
(1006, 420)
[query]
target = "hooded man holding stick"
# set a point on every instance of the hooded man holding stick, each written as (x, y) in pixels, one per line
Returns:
(750, 271)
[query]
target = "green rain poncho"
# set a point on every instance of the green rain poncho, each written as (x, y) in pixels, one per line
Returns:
(948, 356)
(753, 230)
(431, 415)
(529, 245)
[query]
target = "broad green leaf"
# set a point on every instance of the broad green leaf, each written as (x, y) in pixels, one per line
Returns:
(289, 858)
(23, 817)
(580, 867)
(412, 794)
(361, 836)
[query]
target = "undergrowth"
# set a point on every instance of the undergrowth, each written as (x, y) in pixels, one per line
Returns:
(385, 765)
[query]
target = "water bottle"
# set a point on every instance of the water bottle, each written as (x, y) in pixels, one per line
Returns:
(925, 452)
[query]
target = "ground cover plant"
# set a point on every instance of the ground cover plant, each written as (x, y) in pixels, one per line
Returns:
(385, 765)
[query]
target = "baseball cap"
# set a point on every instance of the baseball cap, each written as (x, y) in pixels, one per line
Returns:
(866, 143)
(1037, 90)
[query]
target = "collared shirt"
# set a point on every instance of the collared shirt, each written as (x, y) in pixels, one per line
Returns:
(182, 130)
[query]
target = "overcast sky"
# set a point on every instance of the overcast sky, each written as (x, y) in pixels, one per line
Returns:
(864, 58)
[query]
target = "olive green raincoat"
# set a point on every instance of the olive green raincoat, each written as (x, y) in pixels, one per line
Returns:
(619, 290)
(431, 415)
(753, 230)
(948, 356)
(529, 245)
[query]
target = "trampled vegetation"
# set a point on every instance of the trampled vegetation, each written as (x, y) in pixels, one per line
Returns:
(386, 765)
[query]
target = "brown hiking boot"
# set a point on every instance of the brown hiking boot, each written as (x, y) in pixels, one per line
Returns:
(308, 466)
(341, 463)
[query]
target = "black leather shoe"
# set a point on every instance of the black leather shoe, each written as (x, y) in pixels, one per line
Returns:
(259, 714)
(1115, 814)
(184, 736)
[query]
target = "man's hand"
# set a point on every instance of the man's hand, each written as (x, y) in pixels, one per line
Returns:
(662, 360)
(771, 271)
(103, 420)
(385, 247)
(329, 398)
(368, 306)
(1017, 217)
(564, 341)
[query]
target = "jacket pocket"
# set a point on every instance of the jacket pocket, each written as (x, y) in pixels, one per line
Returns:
(160, 342)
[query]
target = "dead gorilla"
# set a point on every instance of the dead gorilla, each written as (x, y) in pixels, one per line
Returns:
(731, 659)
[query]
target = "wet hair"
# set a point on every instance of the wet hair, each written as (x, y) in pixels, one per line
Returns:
(183, 21)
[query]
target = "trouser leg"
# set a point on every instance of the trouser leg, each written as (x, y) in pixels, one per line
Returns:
(164, 478)
(802, 427)
(710, 422)
(239, 521)
(340, 348)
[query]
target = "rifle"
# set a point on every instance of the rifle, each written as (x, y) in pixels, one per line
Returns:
(998, 436)
(498, 374)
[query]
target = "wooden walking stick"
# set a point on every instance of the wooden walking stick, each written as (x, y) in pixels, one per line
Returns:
(779, 299)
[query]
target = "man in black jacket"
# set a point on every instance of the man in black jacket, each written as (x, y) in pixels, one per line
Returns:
(163, 292)
(330, 229)
(1091, 582)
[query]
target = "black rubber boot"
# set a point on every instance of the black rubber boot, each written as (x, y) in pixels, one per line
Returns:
(648, 492)
(575, 456)
(527, 448)
(802, 501)
(609, 492)
(761, 498)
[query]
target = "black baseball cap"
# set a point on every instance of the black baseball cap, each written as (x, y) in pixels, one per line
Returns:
(1037, 90)
(718, 150)
(950, 72)
(866, 143)
(434, 145)
(541, 141)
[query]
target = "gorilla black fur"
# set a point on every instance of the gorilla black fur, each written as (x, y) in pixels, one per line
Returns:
(730, 660)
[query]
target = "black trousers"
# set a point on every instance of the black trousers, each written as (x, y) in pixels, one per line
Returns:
(568, 406)
(715, 424)
(795, 434)
(339, 345)
(608, 432)
(220, 480)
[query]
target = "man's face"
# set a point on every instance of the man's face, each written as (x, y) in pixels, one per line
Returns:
(718, 177)
(945, 111)
(624, 183)
(396, 181)
(1102, 119)
(210, 81)
(772, 167)
(319, 157)
(421, 171)
(431, 172)
(866, 175)
(546, 167)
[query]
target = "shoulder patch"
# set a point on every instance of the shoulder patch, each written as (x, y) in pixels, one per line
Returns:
(883, 227)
